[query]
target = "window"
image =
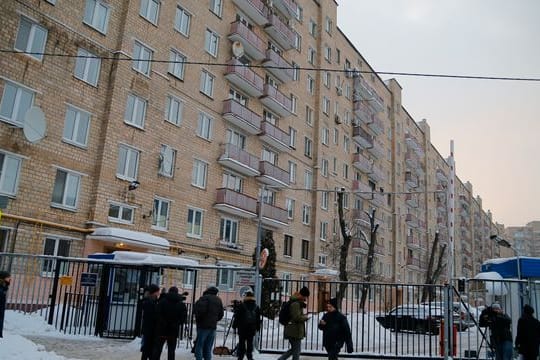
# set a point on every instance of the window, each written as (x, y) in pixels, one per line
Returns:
(294, 104)
(198, 176)
(326, 105)
(312, 28)
(287, 283)
(207, 83)
(334, 167)
(87, 67)
(345, 171)
(150, 10)
(269, 197)
(160, 214)
(167, 161)
(232, 182)
(292, 172)
(188, 279)
(174, 111)
(287, 245)
(324, 200)
(328, 53)
(311, 55)
(308, 179)
(338, 56)
(4, 239)
(325, 134)
(299, 15)
(327, 79)
(10, 167)
(324, 230)
(236, 138)
(31, 38)
(55, 247)
(121, 213)
(309, 116)
(345, 200)
(216, 6)
(96, 15)
(296, 71)
(128, 163)
(182, 21)
(292, 137)
(310, 85)
(297, 41)
(238, 97)
(306, 214)
(328, 25)
(16, 100)
(305, 249)
(66, 189)
(204, 126)
(336, 136)
(322, 259)
(142, 58)
(346, 144)
(176, 66)
(269, 155)
(358, 262)
(289, 205)
(225, 279)
(228, 232)
(308, 147)
(194, 223)
(135, 111)
(76, 125)
(324, 167)
(211, 42)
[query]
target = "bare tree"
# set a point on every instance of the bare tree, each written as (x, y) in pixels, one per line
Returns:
(433, 275)
(371, 251)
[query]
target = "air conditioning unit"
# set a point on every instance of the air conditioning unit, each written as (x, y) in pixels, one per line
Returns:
(337, 119)
(339, 90)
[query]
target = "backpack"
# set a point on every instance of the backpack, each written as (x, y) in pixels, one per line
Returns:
(285, 313)
(250, 316)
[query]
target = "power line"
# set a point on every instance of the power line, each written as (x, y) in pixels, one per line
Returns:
(344, 71)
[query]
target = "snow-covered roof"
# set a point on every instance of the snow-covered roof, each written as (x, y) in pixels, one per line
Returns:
(130, 237)
(133, 257)
(488, 275)
(326, 271)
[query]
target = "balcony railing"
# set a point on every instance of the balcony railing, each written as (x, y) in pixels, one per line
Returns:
(363, 190)
(411, 220)
(376, 125)
(274, 136)
(280, 32)
(239, 160)
(412, 261)
(273, 175)
(244, 78)
(441, 176)
(413, 241)
(276, 101)
(254, 9)
(376, 174)
(410, 160)
(286, 7)
(362, 163)
(235, 203)
(274, 216)
(362, 91)
(411, 200)
(241, 116)
(278, 66)
(376, 149)
(254, 46)
(362, 137)
(411, 180)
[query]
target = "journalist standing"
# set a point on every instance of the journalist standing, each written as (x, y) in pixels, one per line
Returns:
(528, 334)
(5, 280)
(500, 326)
(208, 311)
(336, 330)
(247, 317)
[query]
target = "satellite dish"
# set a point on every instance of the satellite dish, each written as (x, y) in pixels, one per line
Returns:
(237, 49)
(35, 126)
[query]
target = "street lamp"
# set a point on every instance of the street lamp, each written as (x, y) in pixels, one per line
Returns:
(504, 243)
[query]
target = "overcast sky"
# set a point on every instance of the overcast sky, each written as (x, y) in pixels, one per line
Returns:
(494, 124)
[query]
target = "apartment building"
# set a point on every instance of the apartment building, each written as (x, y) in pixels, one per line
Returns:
(525, 239)
(184, 127)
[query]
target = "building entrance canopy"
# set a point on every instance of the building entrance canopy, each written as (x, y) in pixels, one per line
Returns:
(131, 237)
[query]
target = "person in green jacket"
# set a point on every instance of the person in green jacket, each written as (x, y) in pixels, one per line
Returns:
(295, 330)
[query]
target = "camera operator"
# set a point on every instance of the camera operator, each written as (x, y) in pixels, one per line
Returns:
(500, 327)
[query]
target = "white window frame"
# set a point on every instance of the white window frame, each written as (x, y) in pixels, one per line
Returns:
(324, 167)
(167, 170)
(67, 186)
(194, 230)
(326, 105)
(216, 6)
(48, 266)
(294, 104)
(310, 85)
(92, 19)
(289, 206)
(328, 53)
(205, 126)
(323, 231)
(292, 172)
(227, 273)
(142, 58)
(327, 79)
(296, 71)
(11, 166)
(29, 45)
(323, 259)
(304, 255)
(312, 54)
(199, 173)
(229, 230)
(324, 200)
(297, 41)
(293, 134)
(312, 28)
(135, 113)
(211, 42)
(325, 134)
(309, 116)
(328, 25)
(129, 158)
(308, 147)
(121, 208)
(157, 222)
(188, 279)
(306, 214)
(80, 118)
(174, 111)
(17, 113)
(177, 65)
(308, 179)
(146, 10)
(207, 83)
(182, 21)
(87, 61)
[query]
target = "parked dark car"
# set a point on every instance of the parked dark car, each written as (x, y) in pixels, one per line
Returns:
(416, 318)
(465, 312)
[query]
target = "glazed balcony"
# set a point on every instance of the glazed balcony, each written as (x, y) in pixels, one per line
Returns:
(377, 200)
(235, 203)
(362, 163)
(464, 200)
(376, 125)
(242, 117)
(441, 222)
(376, 149)
(411, 200)
(376, 102)
(441, 176)
(362, 113)
(415, 262)
(280, 32)
(254, 46)
(273, 175)
(239, 160)
(413, 241)
(363, 190)
(274, 216)
(411, 220)
(286, 7)
(411, 160)
(360, 244)
(274, 136)
(362, 137)
(278, 66)
(411, 180)
(254, 9)
(441, 204)
(276, 101)
(362, 91)
(244, 78)
(376, 174)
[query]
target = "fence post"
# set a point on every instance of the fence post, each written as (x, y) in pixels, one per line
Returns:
(54, 290)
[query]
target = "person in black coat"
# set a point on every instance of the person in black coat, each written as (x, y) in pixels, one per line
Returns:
(336, 330)
(528, 334)
(171, 315)
(208, 311)
(149, 321)
(5, 280)
(247, 317)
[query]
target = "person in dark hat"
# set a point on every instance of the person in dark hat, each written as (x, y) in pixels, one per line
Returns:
(171, 314)
(5, 280)
(208, 311)
(149, 321)
(528, 334)
(247, 321)
(336, 330)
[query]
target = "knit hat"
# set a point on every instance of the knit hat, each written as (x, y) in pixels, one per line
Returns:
(152, 288)
(212, 290)
(496, 306)
(333, 302)
(527, 309)
(304, 291)
(4, 274)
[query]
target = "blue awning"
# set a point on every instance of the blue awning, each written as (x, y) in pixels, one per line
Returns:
(507, 267)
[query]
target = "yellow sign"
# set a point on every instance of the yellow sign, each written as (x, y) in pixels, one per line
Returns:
(66, 280)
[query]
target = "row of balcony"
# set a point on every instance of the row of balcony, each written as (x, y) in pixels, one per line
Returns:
(411, 200)
(365, 115)
(411, 180)
(367, 142)
(441, 176)
(413, 241)
(412, 261)
(413, 144)
(364, 93)
(362, 245)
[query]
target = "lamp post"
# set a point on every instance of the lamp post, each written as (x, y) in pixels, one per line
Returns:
(504, 243)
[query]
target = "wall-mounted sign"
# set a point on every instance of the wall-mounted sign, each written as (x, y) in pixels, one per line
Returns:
(88, 279)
